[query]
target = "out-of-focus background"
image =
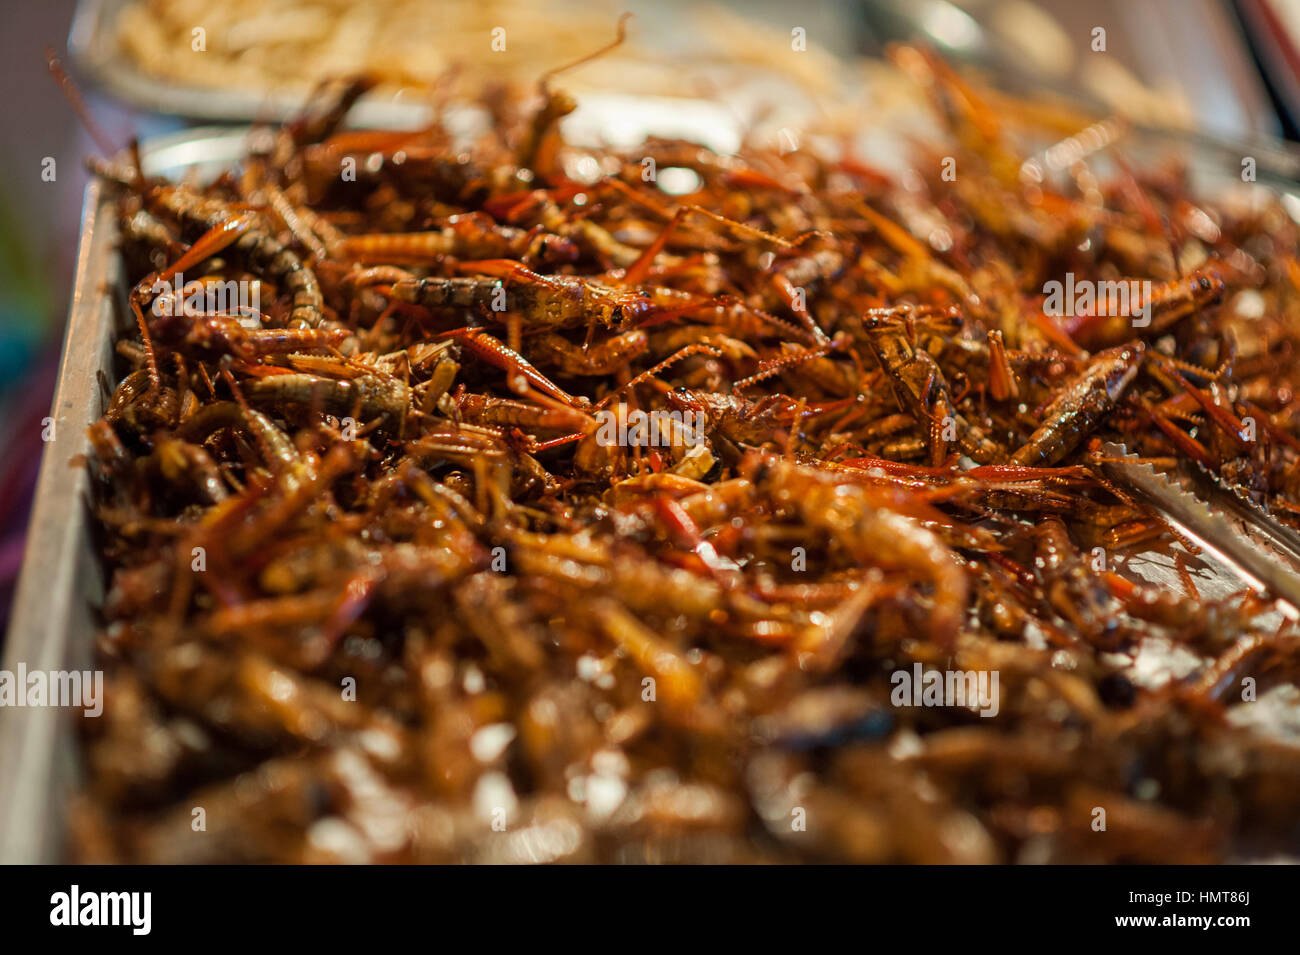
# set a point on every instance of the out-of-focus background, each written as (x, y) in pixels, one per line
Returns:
(1226, 68)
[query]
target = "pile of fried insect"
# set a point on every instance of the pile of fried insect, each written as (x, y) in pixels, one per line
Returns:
(381, 592)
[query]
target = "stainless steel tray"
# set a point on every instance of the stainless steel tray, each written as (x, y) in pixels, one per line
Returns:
(55, 615)
(53, 619)
(600, 118)
(93, 47)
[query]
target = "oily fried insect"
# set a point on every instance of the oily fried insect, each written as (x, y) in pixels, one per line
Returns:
(264, 254)
(546, 300)
(919, 383)
(1081, 405)
(538, 512)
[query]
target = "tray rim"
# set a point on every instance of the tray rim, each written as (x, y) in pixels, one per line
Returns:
(51, 582)
(92, 26)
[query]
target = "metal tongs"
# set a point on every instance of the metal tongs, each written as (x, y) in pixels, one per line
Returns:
(1244, 537)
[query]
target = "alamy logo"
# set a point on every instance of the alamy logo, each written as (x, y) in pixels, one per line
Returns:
(213, 297)
(84, 688)
(972, 689)
(75, 907)
(1128, 298)
(619, 427)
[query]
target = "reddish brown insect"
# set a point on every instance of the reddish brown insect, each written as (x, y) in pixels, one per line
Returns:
(632, 514)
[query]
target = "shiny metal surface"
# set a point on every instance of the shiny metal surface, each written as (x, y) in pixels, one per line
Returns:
(1262, 552)
(53, 622)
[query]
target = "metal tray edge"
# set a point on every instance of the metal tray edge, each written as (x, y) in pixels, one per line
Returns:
(53, 598)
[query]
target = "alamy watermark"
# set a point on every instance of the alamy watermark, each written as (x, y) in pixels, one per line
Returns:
(619, 427)
(75, 907)
(65, 688)
(239, 297)
(971, 689)
(1129, 298)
